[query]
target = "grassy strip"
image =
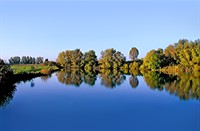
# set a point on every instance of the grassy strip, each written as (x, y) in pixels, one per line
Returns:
(33, 69)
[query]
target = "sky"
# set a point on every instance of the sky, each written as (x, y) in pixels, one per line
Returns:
(47, 27)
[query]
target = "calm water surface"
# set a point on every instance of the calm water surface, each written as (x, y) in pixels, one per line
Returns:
(98, 103)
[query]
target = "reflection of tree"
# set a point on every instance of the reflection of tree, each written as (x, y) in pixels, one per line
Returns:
(133, 80)
(184, 86)
(111, 78)
(76, 77)
(90, 79)
(6, 93)
(154, 80)
(45, 77)
(70, 77)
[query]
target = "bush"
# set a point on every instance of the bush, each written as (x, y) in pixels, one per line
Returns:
(5, 72)
(45, 72)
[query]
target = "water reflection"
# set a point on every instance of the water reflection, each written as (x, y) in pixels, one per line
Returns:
(90, 78)
(183, 86)
(133, 80)
(8, 87)
(6, 93)
(45, 77)
(111, 78)
(70, 77)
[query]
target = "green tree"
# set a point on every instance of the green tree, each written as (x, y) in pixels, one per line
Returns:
(89, 60)
(14, 60)
(133, 54)
(70, 58)
(5, 71)
(171, 55)
(61, 59)
(111, 58)
(39, 60)
(77, 57)
(154, 59)
(1, 62)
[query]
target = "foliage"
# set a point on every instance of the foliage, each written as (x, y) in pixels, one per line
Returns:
(14, 60)
(69, 58)
(70, 77)
(185, 55)
(154, 80)
(2, 62)
(134, 68)
(45, 71)
(133, 80)
(154, 60)
(76, 58)
(111, 78)
(185, 86)
(111, 59)
(39, 60)
(5, 71)
(133, 54)
(27, 60)
(89, 60)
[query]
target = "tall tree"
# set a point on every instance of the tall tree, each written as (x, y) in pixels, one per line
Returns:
(1, 62)
(133, 54)
(14, 60)
(61, 58)
(76, 58)
(39, 60)
(154, 59)
(111, 58)
(89, 60)
(70, 58)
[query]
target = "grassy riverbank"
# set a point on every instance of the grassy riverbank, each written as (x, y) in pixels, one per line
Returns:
(33, 69)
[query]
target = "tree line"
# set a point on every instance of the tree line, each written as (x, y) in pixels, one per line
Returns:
(183, 55)
(110, 59)
(26, 60)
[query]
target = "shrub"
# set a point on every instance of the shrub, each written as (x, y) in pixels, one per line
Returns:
(45, 72)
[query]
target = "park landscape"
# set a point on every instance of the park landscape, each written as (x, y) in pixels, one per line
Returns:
(110, 65)
(175, 68)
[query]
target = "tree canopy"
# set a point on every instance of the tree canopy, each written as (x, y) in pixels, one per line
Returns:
(110, 58)
(133, 54)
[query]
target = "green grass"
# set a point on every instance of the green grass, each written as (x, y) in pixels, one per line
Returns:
(31, 68)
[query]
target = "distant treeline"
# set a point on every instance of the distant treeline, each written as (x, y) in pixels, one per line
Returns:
(181, 56)
(26, 60)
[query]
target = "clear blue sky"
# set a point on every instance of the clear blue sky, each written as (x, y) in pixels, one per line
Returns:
(47, 27)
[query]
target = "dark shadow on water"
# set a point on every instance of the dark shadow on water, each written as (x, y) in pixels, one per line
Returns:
(8, 86)
(6, 93)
